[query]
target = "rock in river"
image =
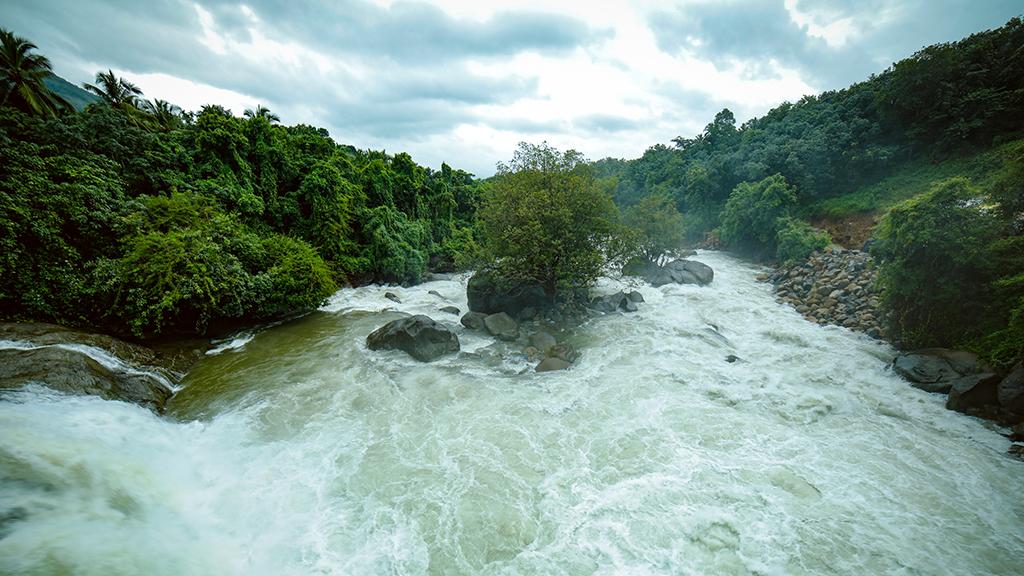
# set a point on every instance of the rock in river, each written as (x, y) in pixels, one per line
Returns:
(75, 372)
(419, 336)
(488, 294)
(502, 326)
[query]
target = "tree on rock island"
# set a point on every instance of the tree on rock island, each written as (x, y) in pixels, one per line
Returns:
(545, 220)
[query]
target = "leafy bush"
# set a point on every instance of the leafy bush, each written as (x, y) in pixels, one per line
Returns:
(937, 269)
(754, 214)
(188, 266)
(657, 224)
(797, 239)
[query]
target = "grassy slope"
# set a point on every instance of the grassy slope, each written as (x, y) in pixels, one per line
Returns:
(913, 179)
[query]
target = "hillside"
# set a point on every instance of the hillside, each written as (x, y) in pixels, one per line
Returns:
(78, 97)
(850, 218)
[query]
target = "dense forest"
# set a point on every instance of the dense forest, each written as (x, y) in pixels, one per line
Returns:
(952, 257)
(134, 216)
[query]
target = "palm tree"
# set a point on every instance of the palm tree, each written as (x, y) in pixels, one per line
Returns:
(21, 78)
(262, 111)
(116, 92)
(164, 115)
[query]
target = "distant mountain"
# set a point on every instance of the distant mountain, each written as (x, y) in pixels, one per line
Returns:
(78, 97)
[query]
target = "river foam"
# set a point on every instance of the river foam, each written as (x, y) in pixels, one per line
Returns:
(301, 452)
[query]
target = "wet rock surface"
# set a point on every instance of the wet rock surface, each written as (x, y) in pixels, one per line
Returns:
(79, 362)
(834, 287)
(419, 336)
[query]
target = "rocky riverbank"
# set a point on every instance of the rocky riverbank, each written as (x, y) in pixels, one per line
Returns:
(833, 287)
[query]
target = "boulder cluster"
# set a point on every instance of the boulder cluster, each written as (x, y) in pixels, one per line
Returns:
(972, 386)
(835, 287)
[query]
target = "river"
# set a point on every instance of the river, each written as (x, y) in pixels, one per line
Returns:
(296, 451)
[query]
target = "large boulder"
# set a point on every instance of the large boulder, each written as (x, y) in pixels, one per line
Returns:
(473, 320)
(502, 326)
(678, 271)
(419, 336)
(74, 371)
(938, 369)
(488, 294)
(690, 272)
(974, 394)
(1010, 393)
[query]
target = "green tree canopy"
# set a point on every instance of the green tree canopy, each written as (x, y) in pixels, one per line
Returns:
(21, 78)
(657, 225)
(545, 220)
(751, 217)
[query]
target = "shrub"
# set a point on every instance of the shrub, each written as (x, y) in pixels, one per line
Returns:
(797, 239)
(751, 217)
(937, 270)
(657, 224)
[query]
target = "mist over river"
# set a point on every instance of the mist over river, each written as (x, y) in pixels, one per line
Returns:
(295, 451)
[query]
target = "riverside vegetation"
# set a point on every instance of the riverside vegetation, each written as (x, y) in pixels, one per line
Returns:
(137, 218)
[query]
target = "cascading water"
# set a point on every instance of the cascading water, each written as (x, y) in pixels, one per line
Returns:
(298, 451)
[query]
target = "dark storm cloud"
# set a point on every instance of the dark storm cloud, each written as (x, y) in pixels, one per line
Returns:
(754, 31)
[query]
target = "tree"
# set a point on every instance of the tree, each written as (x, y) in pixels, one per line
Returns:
(752, 216)
(658, 226)
(164, 115)
(545, 220)
(936, 270)
(21, 78)
(262, 112)
(116, 92)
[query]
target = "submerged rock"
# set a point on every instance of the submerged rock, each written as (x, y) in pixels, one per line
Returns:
(393, 297)
(419, 336)
(551, 364)
(450, 310)
(502, 326)
(543, 342)
(75, 372)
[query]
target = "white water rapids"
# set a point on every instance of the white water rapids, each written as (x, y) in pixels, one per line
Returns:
(300, 452)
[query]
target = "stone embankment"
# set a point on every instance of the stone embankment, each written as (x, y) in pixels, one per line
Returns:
(833, 287)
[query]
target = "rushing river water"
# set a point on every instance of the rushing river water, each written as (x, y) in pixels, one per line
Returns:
(298, 451)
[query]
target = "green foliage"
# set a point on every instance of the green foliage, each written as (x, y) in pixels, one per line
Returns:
(937, 269)
(139, 217)
(754, 214)
(187, 266)
(797, 239)
(395, 245)
(23, 77)
(658, 226)
(545, 220)
(946, 100)
(913, 177)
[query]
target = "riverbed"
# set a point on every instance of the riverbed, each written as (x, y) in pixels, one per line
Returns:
(295, 450)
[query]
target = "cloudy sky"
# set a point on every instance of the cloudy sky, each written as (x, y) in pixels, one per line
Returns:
(463, 81)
